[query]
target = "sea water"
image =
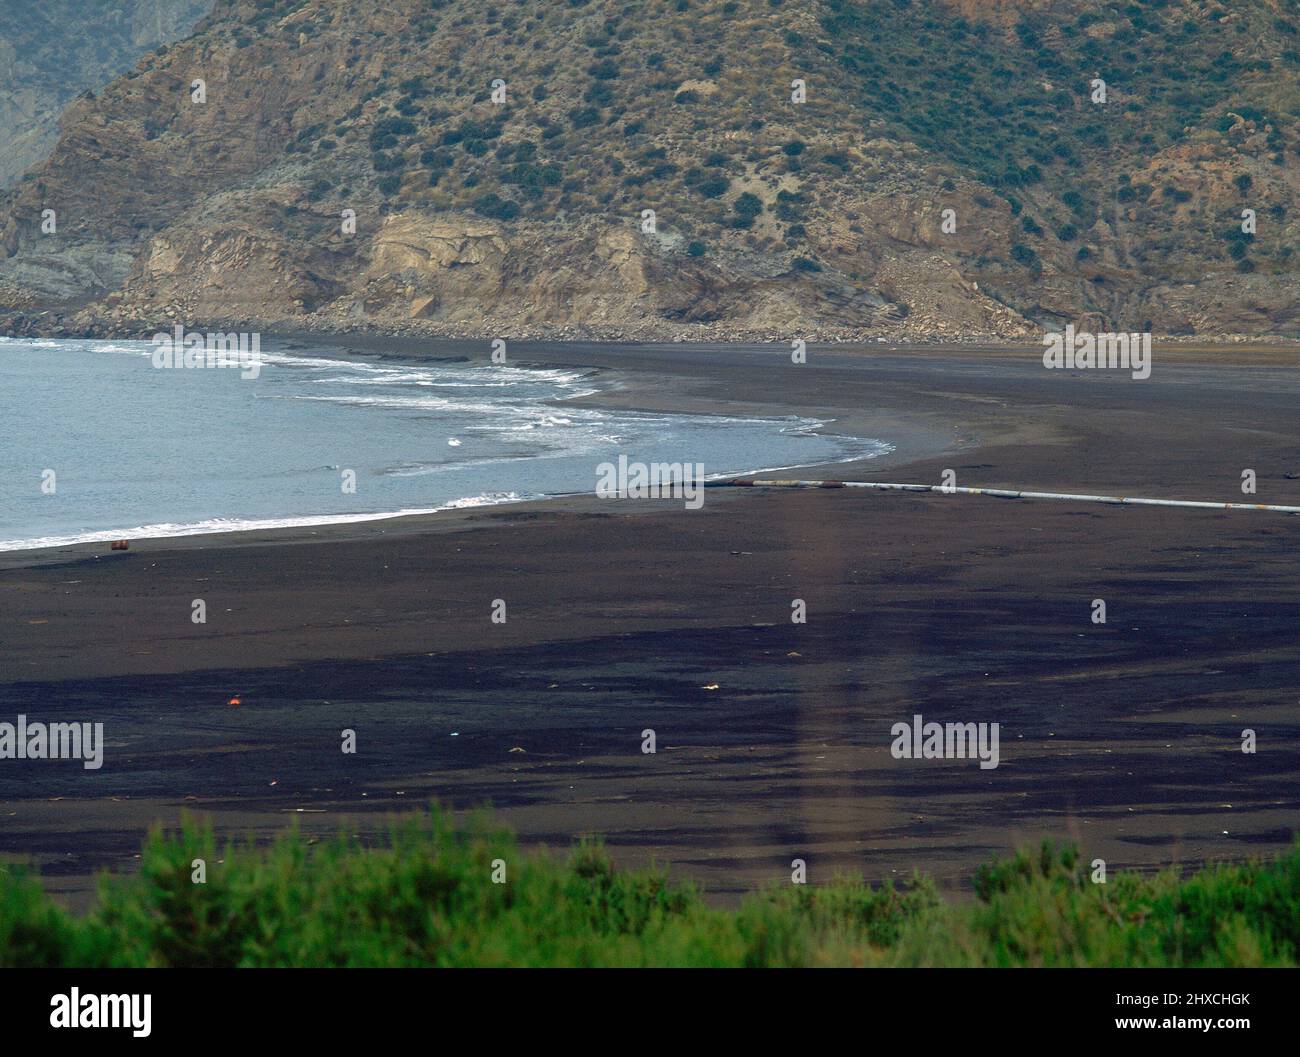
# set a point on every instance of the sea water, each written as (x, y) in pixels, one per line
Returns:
(96, 443)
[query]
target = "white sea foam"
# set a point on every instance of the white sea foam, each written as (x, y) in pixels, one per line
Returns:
(212, 526)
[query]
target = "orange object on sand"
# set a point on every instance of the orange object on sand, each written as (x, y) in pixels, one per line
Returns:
(234, 701)
(121, 545)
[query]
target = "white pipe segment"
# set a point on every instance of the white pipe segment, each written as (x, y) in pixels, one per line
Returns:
(1004, 493)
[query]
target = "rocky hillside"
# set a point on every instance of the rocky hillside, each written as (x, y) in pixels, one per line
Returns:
(52, 50)
(640, 169)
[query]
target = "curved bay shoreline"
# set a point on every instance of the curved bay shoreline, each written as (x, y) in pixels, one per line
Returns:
(1125, 737)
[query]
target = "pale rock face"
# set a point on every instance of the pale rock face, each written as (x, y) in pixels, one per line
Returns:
(162, 260)
(622, 250)
(425, 243)
(698, 87)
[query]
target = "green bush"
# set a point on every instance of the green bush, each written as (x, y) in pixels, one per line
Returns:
(747, 205)
(425, 896)
(1024, 254)
(496, 207)
(713, 187)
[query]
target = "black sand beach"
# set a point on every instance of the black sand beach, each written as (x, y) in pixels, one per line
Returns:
(773, 738)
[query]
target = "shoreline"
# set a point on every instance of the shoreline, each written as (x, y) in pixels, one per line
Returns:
(621, 393)
(773, 737)
(918, 442)
(56, 320)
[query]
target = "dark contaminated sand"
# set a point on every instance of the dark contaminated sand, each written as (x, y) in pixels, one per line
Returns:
(773, 738)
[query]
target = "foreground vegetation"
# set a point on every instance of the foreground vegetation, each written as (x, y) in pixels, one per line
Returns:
(426, 897)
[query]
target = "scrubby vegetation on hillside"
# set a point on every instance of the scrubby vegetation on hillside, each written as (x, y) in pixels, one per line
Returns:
(690, 125)
(818, 144)
(1018, 111)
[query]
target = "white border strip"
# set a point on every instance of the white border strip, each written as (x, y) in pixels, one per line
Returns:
(1005, 493)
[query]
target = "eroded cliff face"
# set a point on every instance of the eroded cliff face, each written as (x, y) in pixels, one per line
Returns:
(315, 163)
(52, 50)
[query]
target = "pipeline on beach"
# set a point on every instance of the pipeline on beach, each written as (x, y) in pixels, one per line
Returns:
(1001, 493)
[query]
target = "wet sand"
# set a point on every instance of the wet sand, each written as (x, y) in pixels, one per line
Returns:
(773, 738)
